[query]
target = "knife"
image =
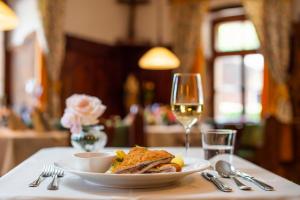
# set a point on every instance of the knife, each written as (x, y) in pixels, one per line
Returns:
(219, 184)
(257, 182)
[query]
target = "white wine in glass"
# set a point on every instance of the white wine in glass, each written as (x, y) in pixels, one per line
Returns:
(187, 101)
(187, 114)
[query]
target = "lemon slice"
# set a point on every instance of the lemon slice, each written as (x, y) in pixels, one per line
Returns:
(178, 160)
(120, 154)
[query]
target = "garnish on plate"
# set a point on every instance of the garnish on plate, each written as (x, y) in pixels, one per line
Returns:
(178, 160)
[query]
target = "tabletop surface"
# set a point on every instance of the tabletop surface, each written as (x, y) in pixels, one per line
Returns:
(14, 185)
(170, 129)
(6, 133)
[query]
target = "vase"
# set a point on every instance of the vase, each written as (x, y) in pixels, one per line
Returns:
(92, 139)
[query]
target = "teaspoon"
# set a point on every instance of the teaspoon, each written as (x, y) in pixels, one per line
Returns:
(224, 170)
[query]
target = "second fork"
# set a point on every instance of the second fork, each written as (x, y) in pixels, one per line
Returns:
(57, 173)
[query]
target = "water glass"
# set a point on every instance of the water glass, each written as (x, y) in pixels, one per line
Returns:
(218, 142)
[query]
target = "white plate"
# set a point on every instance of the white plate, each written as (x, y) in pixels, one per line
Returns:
(135, 180)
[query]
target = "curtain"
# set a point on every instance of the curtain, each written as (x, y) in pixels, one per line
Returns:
(199, 66)
(272, 20)
(52, 14)
(187, 17)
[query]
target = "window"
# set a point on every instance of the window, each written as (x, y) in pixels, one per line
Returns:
(237, 71)
(236, 36)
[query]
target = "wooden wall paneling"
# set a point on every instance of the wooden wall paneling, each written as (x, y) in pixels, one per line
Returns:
(162, 82)
(130, 55)
(162, 79)
(294, 85)
(101, 70)
(93, 69)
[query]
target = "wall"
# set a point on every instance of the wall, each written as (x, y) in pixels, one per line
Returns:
(147, 23)
(98, 20)
(296, 10)
(106, 20)
(103, 21)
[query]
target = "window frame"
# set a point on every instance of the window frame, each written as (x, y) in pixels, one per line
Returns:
(216, 54)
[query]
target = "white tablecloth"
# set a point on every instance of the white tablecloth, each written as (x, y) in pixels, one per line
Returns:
(14, 185)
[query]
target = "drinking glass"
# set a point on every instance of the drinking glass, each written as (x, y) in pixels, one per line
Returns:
(187, 101)
(216, 142)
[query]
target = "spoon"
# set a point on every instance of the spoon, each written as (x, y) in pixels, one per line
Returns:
(227, 171)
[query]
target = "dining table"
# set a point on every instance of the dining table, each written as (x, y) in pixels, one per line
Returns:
(14, 184)
(170, 135)
(18, 145)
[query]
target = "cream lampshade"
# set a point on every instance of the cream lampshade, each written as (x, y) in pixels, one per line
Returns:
(8, 19)
(159, 58)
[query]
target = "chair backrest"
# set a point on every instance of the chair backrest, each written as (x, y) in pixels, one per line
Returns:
(135, 122)
(269, 153)
(127, 132)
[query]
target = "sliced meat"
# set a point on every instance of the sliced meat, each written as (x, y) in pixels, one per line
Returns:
(165, 168)
(143, 167)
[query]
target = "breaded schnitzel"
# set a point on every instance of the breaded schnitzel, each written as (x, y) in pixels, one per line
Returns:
(139, 160)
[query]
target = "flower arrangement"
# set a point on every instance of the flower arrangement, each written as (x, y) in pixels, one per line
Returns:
(157, 114)
(82, 113)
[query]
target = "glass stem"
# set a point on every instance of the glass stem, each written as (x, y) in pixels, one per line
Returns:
(187, 141)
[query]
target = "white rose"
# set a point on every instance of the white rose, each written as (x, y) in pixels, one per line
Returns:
(88, 108)
(72, 121)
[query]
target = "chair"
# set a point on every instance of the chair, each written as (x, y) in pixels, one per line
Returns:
(135, 121)
(269, 154)
(127, 132)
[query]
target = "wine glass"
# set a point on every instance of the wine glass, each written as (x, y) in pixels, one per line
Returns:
(187, 101)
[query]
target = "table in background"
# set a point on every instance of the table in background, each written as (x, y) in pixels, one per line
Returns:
(172, 135)
(14, 185)
(16, 146)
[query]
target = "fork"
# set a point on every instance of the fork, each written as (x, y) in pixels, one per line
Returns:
(46, 172)
(57, 173)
